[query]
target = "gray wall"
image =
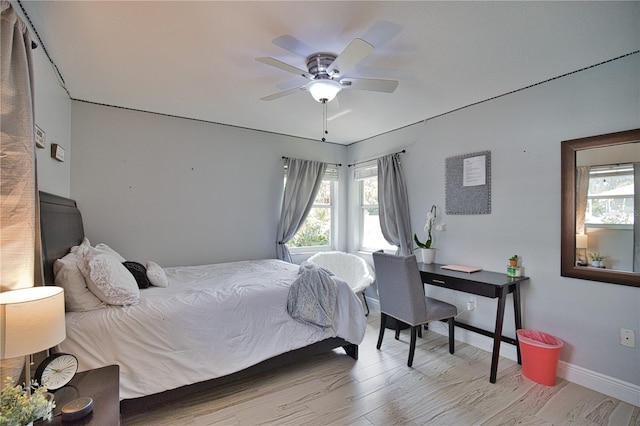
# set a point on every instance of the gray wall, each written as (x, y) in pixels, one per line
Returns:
(523, 131)
(181, 192)
(53, 115)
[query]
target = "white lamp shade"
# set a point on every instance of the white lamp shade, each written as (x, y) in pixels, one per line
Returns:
(582, 241)
(324, 89)
(31, 320)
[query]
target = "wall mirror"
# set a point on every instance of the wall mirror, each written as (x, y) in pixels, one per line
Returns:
(600, 235)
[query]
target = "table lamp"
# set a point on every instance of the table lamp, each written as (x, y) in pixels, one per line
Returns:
(582, 243)
(31, 321)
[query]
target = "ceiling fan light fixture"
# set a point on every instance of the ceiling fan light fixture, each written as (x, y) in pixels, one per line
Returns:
(324, 89)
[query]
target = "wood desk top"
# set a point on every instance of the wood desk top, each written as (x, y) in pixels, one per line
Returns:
(484, 277)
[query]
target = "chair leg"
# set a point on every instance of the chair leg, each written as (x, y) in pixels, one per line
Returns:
(412, 345)
(420, 331)
(365, 302)
(397, 330)
(383, 324)
(451, 335)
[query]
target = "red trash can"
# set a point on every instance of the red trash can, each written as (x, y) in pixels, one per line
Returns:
(540, 353)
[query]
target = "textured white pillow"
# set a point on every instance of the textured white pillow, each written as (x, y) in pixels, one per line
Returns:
(81, 249)
(109, 279)
(77, 297)
(156, 275)
(108, 250)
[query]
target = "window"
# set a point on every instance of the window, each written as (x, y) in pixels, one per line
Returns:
(370, 236)
(318, 231)
(610, 196)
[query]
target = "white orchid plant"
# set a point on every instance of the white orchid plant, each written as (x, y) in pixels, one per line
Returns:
(428, 226)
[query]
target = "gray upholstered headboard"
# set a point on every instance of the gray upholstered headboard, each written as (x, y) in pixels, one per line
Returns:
(61, 228)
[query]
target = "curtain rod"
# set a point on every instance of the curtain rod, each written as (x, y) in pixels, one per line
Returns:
(331, 164)
(366, 161)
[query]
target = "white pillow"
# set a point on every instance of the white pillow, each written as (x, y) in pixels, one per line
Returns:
(81, 249)
(109, 279)
(108, 250)
(156, 275)
(77, 297)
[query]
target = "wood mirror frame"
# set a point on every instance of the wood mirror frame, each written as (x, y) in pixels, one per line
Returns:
(568, 268)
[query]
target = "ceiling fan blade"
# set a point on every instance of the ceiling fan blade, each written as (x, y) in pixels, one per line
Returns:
(293, 45)
(373, 84)
(339, 114)
(284, 93)
(381, 32)
(295, 82)
(284, 66)
(356, 51)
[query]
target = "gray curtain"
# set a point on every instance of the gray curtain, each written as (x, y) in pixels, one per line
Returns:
(19, 235)
(393, 204)
(636, 224)
(582, 190)
(19, 221)
(303, 181)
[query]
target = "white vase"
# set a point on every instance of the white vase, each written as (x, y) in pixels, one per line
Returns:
(428, 255)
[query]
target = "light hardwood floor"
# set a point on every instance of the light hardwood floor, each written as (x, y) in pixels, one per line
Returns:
(379, 389)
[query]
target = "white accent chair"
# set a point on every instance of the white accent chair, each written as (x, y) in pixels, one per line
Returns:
(354, 270)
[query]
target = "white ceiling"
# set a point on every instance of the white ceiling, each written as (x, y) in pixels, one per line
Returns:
(197, 59)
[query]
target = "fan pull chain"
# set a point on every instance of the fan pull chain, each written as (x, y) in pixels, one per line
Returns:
(324, 119)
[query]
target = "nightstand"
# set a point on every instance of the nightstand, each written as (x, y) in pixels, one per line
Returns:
(102, 385)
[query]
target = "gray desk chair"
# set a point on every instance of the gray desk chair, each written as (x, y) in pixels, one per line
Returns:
(402, 297)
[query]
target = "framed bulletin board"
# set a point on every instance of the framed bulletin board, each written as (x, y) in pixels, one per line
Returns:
(468, 183)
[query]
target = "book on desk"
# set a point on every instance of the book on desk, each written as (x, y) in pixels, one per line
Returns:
(461, 268)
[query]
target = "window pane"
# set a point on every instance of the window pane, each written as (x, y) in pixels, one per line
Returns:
(610, 199)
(370, 190)
(316, 230)
(610, 210)
(324, 193)
(371, 238)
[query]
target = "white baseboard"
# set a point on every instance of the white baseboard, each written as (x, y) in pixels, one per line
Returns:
(616, 388)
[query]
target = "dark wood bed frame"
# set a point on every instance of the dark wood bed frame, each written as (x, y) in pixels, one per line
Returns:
(62, 228)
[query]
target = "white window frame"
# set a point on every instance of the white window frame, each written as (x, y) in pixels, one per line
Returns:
(331, 174)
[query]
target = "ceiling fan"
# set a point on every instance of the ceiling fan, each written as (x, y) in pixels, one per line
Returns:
(327, 71)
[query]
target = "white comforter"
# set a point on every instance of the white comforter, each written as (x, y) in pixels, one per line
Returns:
(211, 321)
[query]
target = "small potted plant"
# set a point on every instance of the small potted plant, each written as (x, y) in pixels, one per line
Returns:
(19, 408)
(513, 270)
(596, 259)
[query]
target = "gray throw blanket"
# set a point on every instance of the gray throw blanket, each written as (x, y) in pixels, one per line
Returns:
(313, 295)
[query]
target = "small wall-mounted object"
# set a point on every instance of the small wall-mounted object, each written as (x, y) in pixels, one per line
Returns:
(57, 152)
(40, 137)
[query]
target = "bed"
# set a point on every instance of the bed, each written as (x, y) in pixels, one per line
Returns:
(211, 323)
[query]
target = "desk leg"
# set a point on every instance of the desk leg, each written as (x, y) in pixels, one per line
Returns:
(517, 313)
(497, 338)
